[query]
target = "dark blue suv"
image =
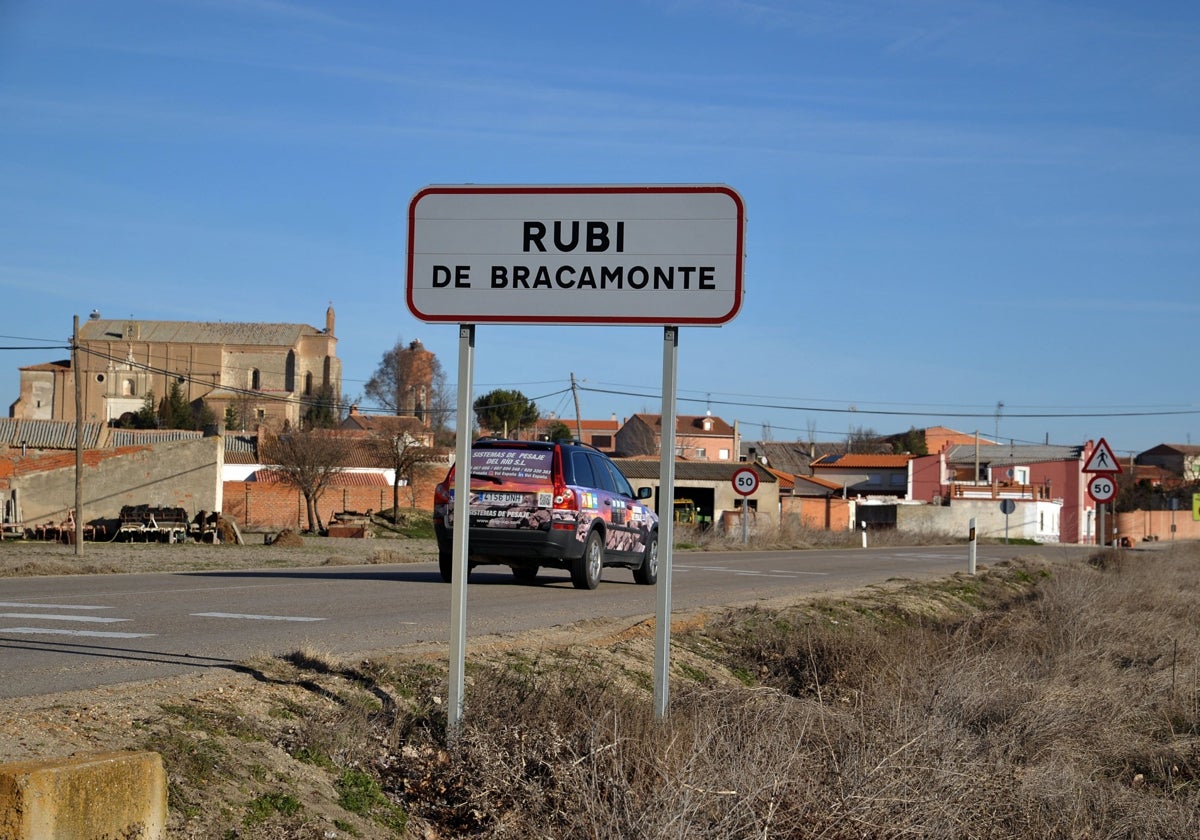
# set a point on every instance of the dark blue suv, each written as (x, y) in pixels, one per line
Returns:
(561, 505)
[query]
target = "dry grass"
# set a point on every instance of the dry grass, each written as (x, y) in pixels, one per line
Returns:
(791, 536)
(1016, 704)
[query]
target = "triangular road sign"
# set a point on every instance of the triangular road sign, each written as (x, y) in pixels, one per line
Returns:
(1102, 460)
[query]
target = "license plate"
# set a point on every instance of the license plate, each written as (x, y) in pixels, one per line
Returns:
(502, 498)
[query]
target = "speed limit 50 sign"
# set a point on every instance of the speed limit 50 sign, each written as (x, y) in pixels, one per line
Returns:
(1102, 488)
(745, 481)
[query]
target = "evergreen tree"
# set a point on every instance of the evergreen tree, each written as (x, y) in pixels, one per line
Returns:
(147, 415)
(174, 412)
(322, 411)
(505, 411)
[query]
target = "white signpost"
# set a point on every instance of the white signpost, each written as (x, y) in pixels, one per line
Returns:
(745, 482)
(656, 255)
(1102, 486)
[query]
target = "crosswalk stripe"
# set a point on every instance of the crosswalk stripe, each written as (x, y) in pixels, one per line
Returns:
(93, 634)
(256, 617)
(53, 617)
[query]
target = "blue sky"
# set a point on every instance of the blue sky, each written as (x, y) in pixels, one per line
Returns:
(949, 205)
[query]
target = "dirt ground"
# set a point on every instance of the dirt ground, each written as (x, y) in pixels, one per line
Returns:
(270, 700)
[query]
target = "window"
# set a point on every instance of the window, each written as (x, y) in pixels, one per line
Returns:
(602, 441)
(722, 454)
(701, 452)
(581, 466)
(255, 380)
(604, 477)
(308, 384)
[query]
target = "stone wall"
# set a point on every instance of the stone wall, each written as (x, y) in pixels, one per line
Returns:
(184, 474)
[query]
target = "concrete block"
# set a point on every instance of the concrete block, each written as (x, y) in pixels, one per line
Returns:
(104, 796)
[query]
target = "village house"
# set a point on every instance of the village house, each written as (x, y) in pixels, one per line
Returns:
(697, 438)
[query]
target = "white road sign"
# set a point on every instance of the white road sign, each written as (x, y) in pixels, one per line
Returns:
(745, 481)
(639, 254)
(1102, 488)
(1102, 459)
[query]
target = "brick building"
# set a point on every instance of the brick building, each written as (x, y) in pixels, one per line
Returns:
(268, 373)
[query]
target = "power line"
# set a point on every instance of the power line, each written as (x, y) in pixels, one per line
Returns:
(895, 413)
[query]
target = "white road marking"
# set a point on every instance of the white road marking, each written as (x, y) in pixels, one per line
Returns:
(94, 634)
(257, 617)
(26, 606)
(53, 617)
(752, 572)
(764, 574)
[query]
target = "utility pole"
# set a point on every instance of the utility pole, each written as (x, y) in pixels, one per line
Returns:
(578, 419)
(77, 375)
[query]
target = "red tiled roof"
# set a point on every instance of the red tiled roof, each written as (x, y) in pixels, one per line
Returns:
(385, 423)
(824, 482)
(786, 480)
(342, 479)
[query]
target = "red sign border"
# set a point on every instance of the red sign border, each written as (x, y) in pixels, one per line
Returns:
(1093, 496)
(598, 189)
(739, 471)
(1087, 465)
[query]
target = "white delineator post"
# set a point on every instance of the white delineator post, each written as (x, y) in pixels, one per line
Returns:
(971, 545)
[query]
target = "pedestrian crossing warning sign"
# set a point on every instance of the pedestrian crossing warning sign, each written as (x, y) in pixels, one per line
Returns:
(1102, 459)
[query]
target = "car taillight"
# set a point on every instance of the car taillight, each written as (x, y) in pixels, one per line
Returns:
(565, 498)
(441, 493)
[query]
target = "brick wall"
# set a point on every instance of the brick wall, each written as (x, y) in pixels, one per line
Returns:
(273, 506)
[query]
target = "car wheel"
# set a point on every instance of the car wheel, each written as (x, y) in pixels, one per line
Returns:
(586, 568)
(446, 567)
(525, 574)
(647, 573)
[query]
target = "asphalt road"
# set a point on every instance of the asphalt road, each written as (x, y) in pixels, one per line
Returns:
(76, 632)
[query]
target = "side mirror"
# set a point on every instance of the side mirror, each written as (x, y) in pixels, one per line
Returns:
(645, 492)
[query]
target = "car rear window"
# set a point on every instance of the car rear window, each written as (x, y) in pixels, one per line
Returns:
(527, 464)
(581, 469)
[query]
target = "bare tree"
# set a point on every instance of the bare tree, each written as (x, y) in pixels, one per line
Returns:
(403, 453)
(307, 460)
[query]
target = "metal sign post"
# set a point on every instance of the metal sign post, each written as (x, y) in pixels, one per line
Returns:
(1007, 506)
(666, 525)
(462, 518)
